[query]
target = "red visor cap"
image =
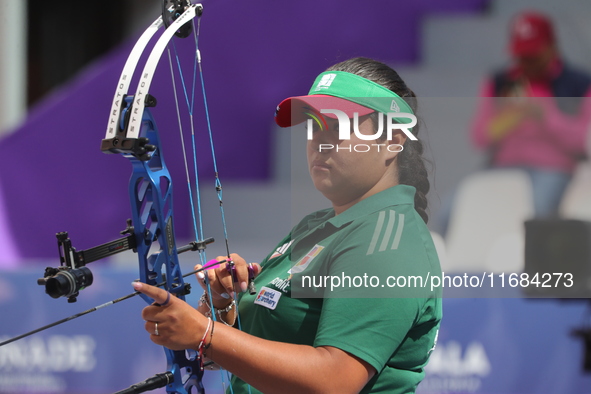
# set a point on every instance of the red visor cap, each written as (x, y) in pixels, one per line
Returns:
(292, 111)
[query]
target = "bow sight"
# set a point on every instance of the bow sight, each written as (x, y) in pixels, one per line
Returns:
(73, 275)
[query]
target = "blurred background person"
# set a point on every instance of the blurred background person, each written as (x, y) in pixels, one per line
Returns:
(534, 114)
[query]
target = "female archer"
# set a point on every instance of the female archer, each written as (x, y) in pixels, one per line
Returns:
(341, 306)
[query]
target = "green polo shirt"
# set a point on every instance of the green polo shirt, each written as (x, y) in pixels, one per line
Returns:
(357, 281)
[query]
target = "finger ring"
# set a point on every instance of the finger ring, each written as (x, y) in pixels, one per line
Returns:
(165, 302)
(156, 330)
(167, 298)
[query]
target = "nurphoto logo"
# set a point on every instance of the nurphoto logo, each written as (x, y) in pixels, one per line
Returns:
(344, 124)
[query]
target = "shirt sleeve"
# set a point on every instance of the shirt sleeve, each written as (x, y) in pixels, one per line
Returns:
(370, 329)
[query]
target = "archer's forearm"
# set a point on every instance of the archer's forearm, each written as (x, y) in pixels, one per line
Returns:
(276, 367)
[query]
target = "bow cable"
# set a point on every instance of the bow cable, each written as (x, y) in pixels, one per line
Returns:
(196, 210)
(218, 188)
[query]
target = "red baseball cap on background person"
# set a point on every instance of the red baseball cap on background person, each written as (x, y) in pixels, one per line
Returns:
(531, 32)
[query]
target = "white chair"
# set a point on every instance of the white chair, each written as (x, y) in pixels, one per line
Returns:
(576, 203)
(486, 231)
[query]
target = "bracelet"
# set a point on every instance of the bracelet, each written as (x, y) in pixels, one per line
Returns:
(226, 310)
(210, 339)
(204, 300)
(204, 334)
(200, 347)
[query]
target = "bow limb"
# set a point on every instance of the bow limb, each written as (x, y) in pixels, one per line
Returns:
(147, 75)
(126, 75)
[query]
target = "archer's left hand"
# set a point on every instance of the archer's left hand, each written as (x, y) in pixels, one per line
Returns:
(170, 321)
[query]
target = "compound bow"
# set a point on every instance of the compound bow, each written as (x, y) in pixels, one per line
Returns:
(132, 132)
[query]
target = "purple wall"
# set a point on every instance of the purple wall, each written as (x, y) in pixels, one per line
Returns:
(54, 177)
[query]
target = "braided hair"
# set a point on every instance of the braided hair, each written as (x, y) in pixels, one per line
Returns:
(411, 165)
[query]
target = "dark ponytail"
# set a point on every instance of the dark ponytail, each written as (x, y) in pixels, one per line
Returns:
(411, 165)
